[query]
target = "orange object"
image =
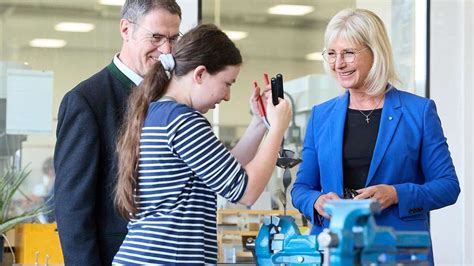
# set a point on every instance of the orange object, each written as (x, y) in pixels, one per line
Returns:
(34, 243)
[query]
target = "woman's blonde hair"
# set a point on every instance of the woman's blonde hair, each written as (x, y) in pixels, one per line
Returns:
(363, 27)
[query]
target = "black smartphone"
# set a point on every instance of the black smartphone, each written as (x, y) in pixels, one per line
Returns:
(277, 88)
(273, 83)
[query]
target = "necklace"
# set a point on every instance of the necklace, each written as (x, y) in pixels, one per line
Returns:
(367, 117)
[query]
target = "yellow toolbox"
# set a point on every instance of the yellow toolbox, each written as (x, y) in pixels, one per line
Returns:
(37, 244)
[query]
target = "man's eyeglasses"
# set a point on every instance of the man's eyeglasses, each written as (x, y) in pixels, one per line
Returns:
(348, 55)
(159, 39)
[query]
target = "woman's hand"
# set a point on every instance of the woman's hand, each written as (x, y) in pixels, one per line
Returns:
(258, 93)
(253, 100)
(279, 116)
(386, 195)
(319, 204)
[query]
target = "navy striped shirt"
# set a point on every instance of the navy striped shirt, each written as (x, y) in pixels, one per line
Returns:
(182, 166)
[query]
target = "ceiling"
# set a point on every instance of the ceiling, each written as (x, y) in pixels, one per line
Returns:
(23, 20)
(255, 12)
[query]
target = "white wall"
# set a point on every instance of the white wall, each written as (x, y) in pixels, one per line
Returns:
(451, 85)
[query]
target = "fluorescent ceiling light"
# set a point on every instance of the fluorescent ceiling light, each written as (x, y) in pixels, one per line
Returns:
(316, 56)
(112, 2)
(48, 43)
(74, 27)
(236, 35)
(290, 10)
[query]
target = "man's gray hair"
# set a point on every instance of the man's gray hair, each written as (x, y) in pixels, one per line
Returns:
(134, 10)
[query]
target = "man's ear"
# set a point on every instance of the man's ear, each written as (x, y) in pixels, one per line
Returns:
(125, 29)
(198, 74)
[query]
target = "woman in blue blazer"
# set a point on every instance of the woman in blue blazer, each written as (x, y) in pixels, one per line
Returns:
(374, 141)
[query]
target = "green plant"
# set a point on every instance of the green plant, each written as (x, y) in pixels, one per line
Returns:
(9, 185)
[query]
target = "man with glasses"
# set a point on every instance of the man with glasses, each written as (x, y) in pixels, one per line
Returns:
(88, 122)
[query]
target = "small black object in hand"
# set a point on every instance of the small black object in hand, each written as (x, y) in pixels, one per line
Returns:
(350, 193)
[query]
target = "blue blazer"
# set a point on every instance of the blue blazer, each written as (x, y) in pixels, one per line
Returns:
(411, 154)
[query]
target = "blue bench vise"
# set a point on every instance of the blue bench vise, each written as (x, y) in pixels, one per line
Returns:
(352, 238)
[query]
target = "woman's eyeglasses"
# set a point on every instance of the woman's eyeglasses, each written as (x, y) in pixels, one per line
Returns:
(348, 55)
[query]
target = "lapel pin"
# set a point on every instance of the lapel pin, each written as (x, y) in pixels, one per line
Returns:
(390, 118)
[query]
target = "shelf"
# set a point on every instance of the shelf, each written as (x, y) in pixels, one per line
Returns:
(244, 254)
(241, 233)
(257, 212)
